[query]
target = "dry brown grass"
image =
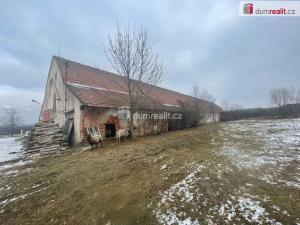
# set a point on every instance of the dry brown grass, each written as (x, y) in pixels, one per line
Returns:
(121, 183)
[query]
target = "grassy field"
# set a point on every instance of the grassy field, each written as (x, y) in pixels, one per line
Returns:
(243, 172)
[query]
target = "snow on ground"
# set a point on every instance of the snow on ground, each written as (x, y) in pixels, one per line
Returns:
(9, 165)
(182, 192)
(16, 198)
(248, 208)
(263, 149)
(10, 149)
(11, 156)
(185, 204)
(163, 167)
(275, 145)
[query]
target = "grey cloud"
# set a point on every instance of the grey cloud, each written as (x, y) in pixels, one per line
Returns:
(235, 58)
(21, 100)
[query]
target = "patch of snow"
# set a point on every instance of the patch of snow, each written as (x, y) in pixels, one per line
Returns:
(251, 210)
(276, 208)
(7, 201)
(180, 192)
(163, 167)
(268, 178)
(285, 213)
(228, 210)
(10, 149)
(11, 172)
(11, 165)
(294, 184)
(273, 146)
(5, 188)
(271, 150)
(170, 218)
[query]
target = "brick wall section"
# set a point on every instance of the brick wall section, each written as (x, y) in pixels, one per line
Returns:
(98, 117)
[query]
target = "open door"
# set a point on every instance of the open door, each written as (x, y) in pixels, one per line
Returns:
(110, 130)
(70, 133)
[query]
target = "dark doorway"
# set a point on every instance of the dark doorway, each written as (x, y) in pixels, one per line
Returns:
(70, 132)
(110, 130)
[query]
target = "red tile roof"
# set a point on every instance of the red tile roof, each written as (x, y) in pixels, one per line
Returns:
(106, 98)
(100, 88)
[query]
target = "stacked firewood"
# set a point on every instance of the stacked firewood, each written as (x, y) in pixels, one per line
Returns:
(46, 139)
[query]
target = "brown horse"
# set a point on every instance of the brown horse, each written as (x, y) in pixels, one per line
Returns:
(94, 140)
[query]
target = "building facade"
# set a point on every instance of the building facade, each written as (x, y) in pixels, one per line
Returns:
(78, 97)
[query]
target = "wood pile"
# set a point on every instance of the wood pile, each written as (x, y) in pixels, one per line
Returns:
(46, 139)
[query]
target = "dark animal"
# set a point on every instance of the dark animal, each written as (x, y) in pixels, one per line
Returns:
(94, 140)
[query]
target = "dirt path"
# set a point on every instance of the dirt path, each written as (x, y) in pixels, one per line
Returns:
(221, 173)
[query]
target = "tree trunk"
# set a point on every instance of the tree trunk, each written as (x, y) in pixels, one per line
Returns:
(131, 123)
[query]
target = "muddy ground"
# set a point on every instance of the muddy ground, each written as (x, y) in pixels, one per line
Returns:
(244, 172)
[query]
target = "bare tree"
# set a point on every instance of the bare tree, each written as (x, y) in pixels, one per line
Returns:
(131, 55)
(199, 94)
(294, 95)
(297, 96)
(195, 91)
(236, 106)
(202, 93)
(282, 96)
(196, 94)
(194, 116)
(205, 95)
(11, 120)
(227, 106)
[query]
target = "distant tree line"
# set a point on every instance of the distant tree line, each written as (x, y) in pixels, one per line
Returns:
(286, 102)
(286, 111)
(227, 106)
(284, 96)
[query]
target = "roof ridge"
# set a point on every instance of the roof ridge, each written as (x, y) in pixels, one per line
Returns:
(108, 73)
(94, 68)
(94, 87)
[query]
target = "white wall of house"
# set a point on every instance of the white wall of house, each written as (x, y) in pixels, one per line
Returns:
(54, 100)
(209, 117)
(55, 95)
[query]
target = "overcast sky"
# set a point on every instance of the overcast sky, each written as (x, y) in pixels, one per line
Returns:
(238, 59)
